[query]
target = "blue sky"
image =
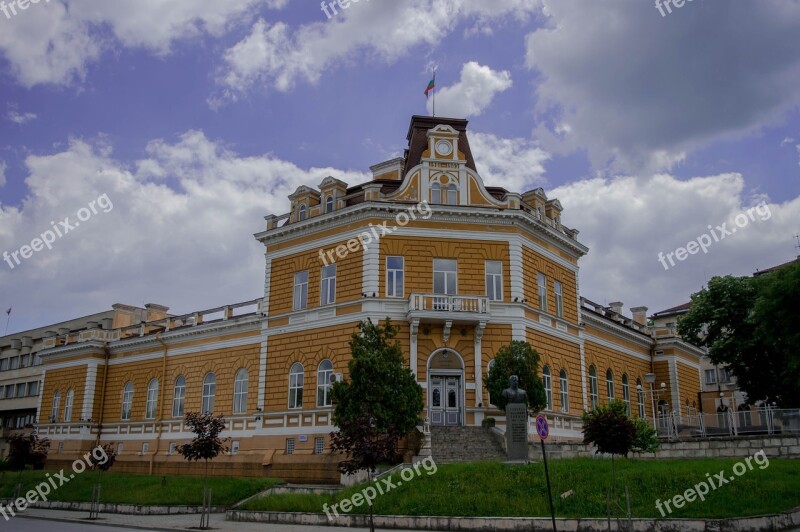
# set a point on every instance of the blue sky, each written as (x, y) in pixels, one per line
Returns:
(196, 119)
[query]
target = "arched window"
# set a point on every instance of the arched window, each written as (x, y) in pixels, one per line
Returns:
(296, 386)
(301, 212)
(626, 393)
(324, 372)
(127, 401)
(209, 393)
(178, 396)
(548, 386)
(240, 383)
(593, 386)
(329, 204)
(56, 406)
(489, 367)
(436, 193)
(610, 384)
(68, 405)
(564, 389)
(640, 398)
(152, 400)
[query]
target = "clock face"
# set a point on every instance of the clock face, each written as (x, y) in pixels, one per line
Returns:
(444, 147)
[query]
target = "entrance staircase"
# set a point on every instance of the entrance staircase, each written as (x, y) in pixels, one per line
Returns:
(465, 444)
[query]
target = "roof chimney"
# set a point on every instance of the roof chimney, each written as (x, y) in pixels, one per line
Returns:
(639, 315)
(616, 306)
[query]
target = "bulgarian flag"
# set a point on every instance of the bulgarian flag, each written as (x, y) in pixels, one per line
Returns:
(431, 84)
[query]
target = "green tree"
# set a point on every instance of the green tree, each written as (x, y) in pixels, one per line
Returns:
(750, 325)
(206, 445)
(378, 405)
(27, 450)
(646, 437)
(520, 359)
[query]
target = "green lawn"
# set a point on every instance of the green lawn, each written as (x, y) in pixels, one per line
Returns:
(494, 489)
(140, 489)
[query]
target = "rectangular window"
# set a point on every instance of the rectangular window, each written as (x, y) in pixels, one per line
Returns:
(640, 397)
(4, 364)
(548, 389)
(235, 447)
(394, 276)
(542, 286)
(119, 449)
(724, 376)
(452, 195)
(14, 363)
(145, 448)
(711, 376)
(21, 389)
(559, 291)
(564, 392)
(593, 390)
(319, 445)
(328, 290)
(289, 445)
(26, 361)
(445, 276)
(301, 290)
(494, 280)
(173, 448)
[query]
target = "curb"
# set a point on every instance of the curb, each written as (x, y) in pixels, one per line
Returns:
(99, 522)
(773, 522)
(122, 509)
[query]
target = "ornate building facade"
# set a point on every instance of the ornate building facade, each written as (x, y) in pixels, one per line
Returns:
(460, 267)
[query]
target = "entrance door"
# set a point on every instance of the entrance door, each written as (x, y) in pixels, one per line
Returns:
(445, 400)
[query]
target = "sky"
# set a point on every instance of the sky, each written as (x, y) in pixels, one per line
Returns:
(145, 140)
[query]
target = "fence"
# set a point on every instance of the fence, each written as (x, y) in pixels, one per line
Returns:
(726, 422)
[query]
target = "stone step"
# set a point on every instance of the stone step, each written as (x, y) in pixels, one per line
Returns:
(464, 444)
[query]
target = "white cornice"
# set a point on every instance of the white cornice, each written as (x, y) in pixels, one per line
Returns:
(618, 330)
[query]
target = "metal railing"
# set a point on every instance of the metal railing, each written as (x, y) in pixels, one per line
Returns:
(726, 422)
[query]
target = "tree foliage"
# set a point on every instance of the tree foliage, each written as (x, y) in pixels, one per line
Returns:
(27, 450)
(609, 428)
(379, 404)
(111, 457)
(520, 359)
(206, 445)
(750, 324)
(646, 437)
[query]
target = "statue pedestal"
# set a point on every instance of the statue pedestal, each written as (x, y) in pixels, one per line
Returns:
(516, 431)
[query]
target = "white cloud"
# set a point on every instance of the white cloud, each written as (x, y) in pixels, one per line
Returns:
(277, 55)
(473, 92)
(514, 164)
(20, 118)
(3, 168)
(190, 246)
(641, 90)
(626, 222)
(55, 42)
(786, 141)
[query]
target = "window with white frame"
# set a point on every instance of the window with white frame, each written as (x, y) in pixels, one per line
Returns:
(127, 401)
(626, 393)
(178, 396)
(68, 405)
(324, 373)
(640, 397)
(301, 290)
(329, 204)
(541, 282)
(289, 445)
(120, 447)
(593, 386)
(394, 276)
(558, 289)
(548, 386)
(494, 280)
(610, 384)
(152, 400)
(564, 389)
(240, 384)
(445, 276)
(173, 448)
(711, 376)
(724, 375)
(296, 386)
(302, 212)
(450, 195)
(56, 404)
(436, 193)
(235, 447)
(209, 393)
(319, 445)
(328, 290)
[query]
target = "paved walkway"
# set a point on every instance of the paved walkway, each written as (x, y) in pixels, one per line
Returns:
(38, 520)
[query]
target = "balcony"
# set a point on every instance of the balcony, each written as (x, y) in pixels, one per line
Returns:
(440, 308)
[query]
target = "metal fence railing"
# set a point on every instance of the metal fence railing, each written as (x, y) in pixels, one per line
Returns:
(757, 420)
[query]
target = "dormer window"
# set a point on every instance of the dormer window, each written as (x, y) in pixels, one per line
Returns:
(301, 213)
(329, 204)
(436, 193)
(444, 195)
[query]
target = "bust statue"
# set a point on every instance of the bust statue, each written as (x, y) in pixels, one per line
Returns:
(515, 394)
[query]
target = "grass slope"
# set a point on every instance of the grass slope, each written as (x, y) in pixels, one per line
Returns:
(139, 489)
(493, 489)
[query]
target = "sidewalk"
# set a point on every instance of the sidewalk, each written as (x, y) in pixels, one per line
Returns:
(166, 522)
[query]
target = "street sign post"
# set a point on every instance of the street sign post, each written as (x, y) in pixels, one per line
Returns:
(544, 431)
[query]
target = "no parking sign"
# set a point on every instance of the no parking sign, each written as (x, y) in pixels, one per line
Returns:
(541, 427)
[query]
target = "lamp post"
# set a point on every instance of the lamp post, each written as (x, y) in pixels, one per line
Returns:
(650, 378)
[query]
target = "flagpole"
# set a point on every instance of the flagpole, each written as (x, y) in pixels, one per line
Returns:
(434, 93)
(8, 319)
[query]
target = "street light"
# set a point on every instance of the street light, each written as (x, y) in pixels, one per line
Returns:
(650, 378)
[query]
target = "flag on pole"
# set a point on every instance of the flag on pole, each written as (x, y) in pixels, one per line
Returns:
(8, 312)
(431, 84)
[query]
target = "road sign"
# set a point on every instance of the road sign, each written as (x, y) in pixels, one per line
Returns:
(541, 427)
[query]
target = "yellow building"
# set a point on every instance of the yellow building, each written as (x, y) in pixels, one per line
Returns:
(460, 267)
